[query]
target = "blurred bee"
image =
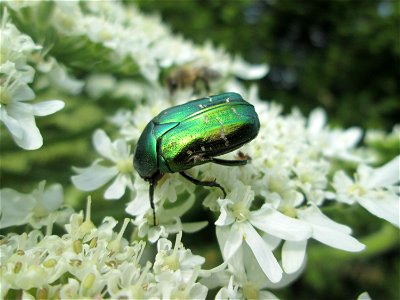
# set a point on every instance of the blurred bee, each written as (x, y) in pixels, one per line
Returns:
(189, 76)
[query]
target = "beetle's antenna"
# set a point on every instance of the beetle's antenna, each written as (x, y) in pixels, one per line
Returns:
(151, 194)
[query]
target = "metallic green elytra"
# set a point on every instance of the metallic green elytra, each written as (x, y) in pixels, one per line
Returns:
(192, 134)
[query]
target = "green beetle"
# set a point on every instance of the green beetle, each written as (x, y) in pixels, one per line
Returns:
(192, 134)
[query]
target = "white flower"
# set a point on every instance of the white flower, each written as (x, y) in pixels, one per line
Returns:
(336, 143)
(167, 219)
(248, 72)
(132, 124)
(19, 116)
(90, 260)
(34, 208)
(16, 114)
(374, 189)
(328, 231)
(236, 224)
(247, 280)
(99, 85)
(323, 229)
(97, 175)
(15, 46)
(58, 76)
(379, 138)
(364, 296)
(176, 269)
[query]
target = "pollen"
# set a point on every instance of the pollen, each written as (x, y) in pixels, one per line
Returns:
(240, 212)
(124, 166)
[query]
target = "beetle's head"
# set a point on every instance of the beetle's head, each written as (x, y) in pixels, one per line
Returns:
(145, 159)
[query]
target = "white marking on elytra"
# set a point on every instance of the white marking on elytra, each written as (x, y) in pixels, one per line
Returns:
(227, 100)
(210, 99)
(197, 158)
(222, 133)
(202, 106)
(203, 148)
(206, 119)
(234, 111)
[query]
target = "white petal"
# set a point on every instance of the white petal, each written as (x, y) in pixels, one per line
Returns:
(47, 107)
(351, 137)
(280, 225)
(364, 296)
(222, 294)
(293, 254)
(138, 206)
(336, 239)
(52, 197)
(263, 255)
(225, 218)
(329, 232)
(103, 145)
(194, 226)
(316, 121)
(287, 279)
(31, 138)
(12, 124)
(233, 242)
(14, 207)
(223, 236)
(341, 181)
(246, 71)
(22, 92)
(117, 189)
(122, 149)
(198, 291)
(386, 175)
(386, 207)
(93, 177)
(314, 216)
(267, 296)
(341, 184)
(149, 69)
(155, 232)
(271, 241)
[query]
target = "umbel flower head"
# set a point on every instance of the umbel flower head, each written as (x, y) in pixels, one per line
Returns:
(95, 176)
(15, 74)
(90, 261)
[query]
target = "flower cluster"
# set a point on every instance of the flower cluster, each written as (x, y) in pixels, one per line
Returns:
(15, 76)
(41, 207)
(90, 261)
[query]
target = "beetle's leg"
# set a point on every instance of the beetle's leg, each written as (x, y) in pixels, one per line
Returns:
(151, 194)
(203, 183)
(231, 163)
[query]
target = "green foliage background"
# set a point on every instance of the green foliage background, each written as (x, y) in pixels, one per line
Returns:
(340, 55)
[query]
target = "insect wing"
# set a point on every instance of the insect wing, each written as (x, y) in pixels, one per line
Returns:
(182, 112)
(214, 131)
